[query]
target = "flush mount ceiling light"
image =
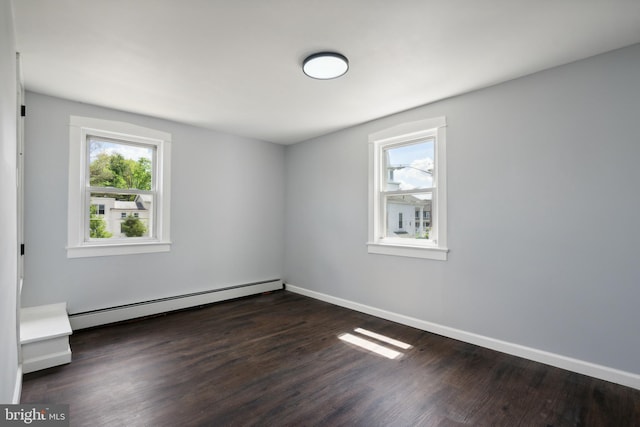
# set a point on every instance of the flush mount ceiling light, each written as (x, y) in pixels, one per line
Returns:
(325, 65)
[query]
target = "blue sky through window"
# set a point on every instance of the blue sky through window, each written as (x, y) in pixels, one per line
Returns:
(133, 152)
(413, 165)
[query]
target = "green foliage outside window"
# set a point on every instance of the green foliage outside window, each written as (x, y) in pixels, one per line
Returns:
(113, 170)
(133, 227)
(97, 225)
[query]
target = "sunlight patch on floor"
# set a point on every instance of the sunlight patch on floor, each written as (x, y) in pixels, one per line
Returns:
(370, 345)
(383, 338)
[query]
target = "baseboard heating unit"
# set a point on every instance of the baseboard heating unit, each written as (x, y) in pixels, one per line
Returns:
(105, 316)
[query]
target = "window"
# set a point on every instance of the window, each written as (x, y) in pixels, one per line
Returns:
(115, 167)
(407, 179)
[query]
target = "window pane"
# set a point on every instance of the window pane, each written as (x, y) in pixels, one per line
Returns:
(119, 165)
(409, 215)
(409, 167)
(124, 216)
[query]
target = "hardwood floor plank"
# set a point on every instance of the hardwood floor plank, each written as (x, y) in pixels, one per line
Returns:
(276, 359)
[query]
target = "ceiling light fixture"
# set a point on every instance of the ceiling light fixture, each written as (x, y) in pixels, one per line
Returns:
(325, 65)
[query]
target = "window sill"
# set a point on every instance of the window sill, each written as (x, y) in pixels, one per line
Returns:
(94, 250)
(435, 253)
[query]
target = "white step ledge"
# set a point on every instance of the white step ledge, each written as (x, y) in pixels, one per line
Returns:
(44, 336)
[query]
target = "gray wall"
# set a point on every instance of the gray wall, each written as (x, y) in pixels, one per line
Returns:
(226, 215)
(8, 230)
(543, 176)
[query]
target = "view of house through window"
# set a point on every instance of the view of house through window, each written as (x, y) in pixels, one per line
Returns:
(408, 189)
(120, 189)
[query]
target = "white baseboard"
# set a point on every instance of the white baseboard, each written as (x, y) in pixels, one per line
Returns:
(132, 311)
(628, 379)
(17, 390)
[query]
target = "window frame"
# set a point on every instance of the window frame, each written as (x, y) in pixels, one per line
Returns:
(406, 134)
(80, 130)
(89, 189)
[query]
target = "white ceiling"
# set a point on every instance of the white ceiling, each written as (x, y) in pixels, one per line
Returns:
(235, 66)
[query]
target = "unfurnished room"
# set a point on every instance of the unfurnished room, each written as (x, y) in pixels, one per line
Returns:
(319, 213)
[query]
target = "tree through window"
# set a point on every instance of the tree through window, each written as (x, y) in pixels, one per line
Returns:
(119, 180)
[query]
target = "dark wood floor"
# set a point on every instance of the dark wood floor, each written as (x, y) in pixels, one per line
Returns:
(276, 360)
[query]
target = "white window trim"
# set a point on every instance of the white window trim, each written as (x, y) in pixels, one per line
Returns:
(77, 246)
(415, 248)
